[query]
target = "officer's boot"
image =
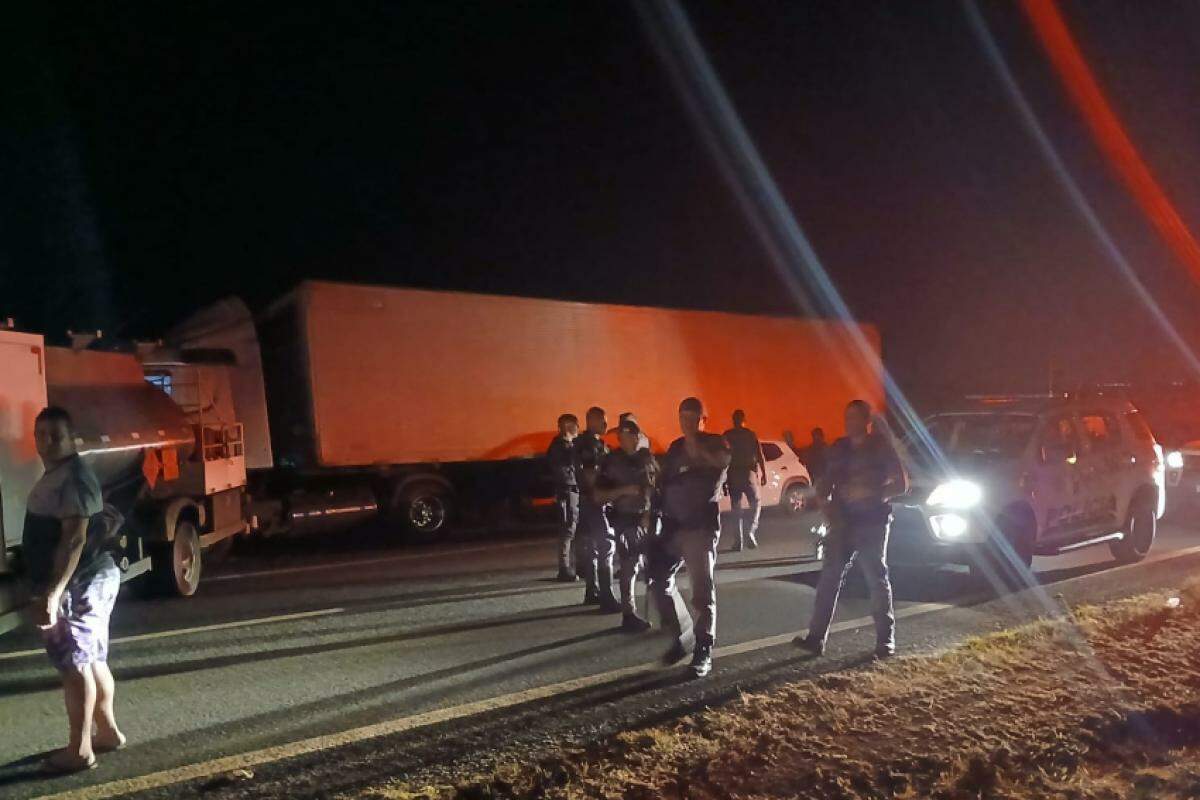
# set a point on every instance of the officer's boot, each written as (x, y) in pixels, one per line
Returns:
(591, 596)
(701, 658)
(604, 586)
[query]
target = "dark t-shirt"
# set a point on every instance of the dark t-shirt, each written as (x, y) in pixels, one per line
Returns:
(622, 469)
(743, 454)
(862, 470)
(814, 458)
(691, 491)
(590, 451)
(561, 458)
(68, 489)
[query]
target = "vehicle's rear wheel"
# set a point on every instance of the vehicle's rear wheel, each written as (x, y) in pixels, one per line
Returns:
(1005, 562)
(175, 566)
(424, 510)
(1140, 530)
(795, 498)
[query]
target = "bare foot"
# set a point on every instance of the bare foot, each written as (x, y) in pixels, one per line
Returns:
(64, 761)
(106, 741)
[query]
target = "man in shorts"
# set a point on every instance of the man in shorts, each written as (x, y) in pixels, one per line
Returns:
(75, 584)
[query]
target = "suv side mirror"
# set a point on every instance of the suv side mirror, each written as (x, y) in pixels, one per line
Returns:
(1057, 454)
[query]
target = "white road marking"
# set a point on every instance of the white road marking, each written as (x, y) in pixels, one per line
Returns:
(220, 626)
(324, 612)
(483, 595)
(315, 744)
(302, 747)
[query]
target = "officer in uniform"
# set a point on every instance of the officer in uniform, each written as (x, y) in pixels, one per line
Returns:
(747, 472)
(643, 440)
(862, 474)
(561, 457)
(693, 472)
(627, 480)
(597, 544)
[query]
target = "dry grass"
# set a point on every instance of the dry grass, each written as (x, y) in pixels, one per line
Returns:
(1104, 704)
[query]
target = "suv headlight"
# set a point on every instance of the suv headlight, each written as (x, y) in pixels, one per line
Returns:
(1174, 460)
(958, 494)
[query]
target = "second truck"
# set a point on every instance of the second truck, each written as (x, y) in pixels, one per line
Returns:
(427, 406)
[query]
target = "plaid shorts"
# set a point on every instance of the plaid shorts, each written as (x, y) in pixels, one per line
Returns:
(80, 636)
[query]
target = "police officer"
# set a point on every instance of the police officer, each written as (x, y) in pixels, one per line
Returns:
(693, 472)
(815, 455)
(561, 457)
(747, 472)
(627, 480)
(643, 440)
(862, 473)
(597, 544)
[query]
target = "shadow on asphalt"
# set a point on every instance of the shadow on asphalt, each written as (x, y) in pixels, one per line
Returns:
(25, 769)
(1055, 575)
(276, 722)
(957, 586)
(43, 683)
(131, 617)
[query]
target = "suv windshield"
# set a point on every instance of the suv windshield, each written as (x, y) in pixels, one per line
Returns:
(987, 437)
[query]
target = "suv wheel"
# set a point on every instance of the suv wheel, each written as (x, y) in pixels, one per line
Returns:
(795, 498)
(1140, 530)
(1005, 564)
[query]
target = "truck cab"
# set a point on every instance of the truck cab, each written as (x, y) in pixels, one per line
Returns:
(22, 396)
(180, 486)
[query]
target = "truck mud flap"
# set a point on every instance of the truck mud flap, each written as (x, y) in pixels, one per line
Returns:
(132, 569)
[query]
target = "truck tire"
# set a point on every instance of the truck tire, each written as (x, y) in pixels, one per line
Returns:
(1005, 564)
(423, 510)
(175, 566)
(1140, 530)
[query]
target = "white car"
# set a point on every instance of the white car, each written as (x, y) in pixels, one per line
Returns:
(788, 482)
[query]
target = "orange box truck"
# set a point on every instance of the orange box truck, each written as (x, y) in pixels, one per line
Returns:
(431, 404)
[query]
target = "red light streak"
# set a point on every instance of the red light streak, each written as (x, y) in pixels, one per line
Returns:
(1109, 133)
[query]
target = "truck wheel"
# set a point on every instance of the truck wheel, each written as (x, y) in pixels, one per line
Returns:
(423, 509)
(1005, 564)
(1140, 531)
(175, 566)
(795, 499)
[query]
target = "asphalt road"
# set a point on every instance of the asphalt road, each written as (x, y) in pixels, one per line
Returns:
(287, 648)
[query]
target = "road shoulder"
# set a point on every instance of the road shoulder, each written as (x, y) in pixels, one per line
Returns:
(1097, 702)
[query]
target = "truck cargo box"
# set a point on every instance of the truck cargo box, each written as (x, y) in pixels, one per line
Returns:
(363, 375)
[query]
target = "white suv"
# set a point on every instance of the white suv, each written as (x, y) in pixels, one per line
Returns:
(1005, 479)
(1183, 477)
(788, 483)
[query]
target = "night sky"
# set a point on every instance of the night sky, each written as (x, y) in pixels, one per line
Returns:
(158, 156)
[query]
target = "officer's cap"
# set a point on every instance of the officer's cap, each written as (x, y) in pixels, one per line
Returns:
(629, 426)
